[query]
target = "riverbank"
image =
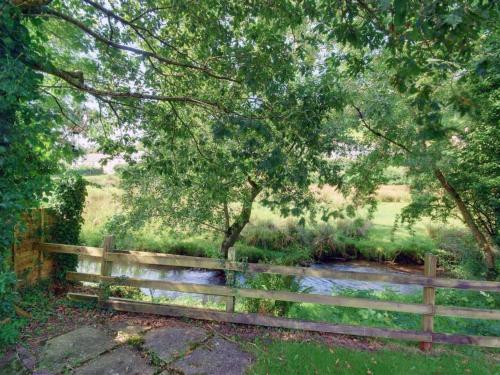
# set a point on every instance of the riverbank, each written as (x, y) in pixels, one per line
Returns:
(272, 238)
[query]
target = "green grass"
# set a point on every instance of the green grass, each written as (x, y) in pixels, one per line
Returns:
(407, 321)
(272, 238)
(380, 242)
(310, 358)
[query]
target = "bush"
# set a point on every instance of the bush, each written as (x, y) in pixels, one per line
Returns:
(67, 202)
(128, 292)
(9, 327)
(460, 253)
(88, 171)
(354, 228)
(396, 176)
(271, 282)
(269, 236)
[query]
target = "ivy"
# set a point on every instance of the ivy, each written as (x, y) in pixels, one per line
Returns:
(30, 148)
(67, 203)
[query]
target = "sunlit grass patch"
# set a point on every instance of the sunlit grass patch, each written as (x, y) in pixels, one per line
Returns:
(282, 357)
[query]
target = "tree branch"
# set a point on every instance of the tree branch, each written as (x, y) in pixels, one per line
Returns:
(134, 50)
(377, 133)
(61, 109)
(76, 80)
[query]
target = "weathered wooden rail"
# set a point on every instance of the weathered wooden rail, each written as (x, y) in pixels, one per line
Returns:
(428, 309)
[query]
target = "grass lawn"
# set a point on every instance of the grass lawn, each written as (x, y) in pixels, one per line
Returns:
(283, 357)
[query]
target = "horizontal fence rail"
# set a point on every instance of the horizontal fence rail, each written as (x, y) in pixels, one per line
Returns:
(153, 259)
(219, 290)
(428, 309)
(121, 304)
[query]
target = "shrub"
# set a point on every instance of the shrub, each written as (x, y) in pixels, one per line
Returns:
(271, 282)
(354, 228)
(459, 251)
(128, 292)
(67, 202)
(88, 171)
(9, 327)
(396, 176)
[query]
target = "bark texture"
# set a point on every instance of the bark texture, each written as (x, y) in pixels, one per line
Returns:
(484, 240)
(233, 231)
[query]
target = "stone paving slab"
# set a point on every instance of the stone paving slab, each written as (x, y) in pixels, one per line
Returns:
(73, 348)
(121, 361)
(10, 364)
(215, 357)
(125, 331)
(169, 343)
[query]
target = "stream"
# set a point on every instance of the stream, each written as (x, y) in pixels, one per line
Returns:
(315, 285)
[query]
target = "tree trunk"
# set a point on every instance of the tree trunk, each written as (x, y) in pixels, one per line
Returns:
(234, 230)
(484, 241)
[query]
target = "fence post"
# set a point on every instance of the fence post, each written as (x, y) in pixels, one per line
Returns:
(106, 266)
(230, 301)
(40, 259)
(430, 264)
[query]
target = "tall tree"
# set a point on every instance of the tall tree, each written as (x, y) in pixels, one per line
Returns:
(423, 47)
(206, 173)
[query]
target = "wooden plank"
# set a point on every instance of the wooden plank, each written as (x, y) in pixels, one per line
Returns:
(69, 249)
(166, 260)
(255, 293)
(485, 341)
(429, 295)
(231, 300)
(253, 319)
(465, 312)
(334, 300)
(107, 265)
(217, 290)
(220, 290)
(220, 264)
(269, 321)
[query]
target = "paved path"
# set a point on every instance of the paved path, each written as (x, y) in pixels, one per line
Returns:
(131, 350)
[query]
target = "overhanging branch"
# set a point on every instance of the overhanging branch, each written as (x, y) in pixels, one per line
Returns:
(75, 79)
(134, 50)
(376, 132)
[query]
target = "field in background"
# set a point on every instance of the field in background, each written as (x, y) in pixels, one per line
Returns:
(378, 240)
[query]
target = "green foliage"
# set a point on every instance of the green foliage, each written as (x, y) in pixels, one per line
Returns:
(213, 172)
(396, 176)
(438, 129)
(88, 171)
(36, 300)
(264, 281)
(128, 292)
(30, 145)
(460, 254)
(67, 202)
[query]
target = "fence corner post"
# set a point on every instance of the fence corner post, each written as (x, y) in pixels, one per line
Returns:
(430, 265)
(106, 265)
(230, 300)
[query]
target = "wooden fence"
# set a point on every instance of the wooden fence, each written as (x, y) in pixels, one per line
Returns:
(428, 309)
(27, 262)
